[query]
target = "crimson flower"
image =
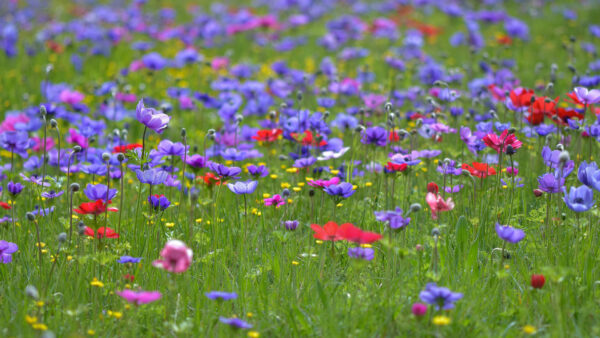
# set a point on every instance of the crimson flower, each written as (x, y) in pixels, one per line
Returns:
(101, 233)
(541, 107)
(353, 234)
(5, 205)
(308, 139)
(327, 232)
(94, 208)
(125, 148)
(395, 167)
(499, 144)
(267, 135)
(210, 179)
(481, 170)
(537, 281)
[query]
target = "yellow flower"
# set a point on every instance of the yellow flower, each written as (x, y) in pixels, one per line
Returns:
(441, 320)
(292, 170)
(169, 224)
(249, 314)
(198, 220)
(285, 185)
(253, 334)
(301, 184)
(39, 303)
(96, 282)
(335, 172)
(290, 201)
(30, 320)
(273, 176)
(42, 244)
(296, 189)
(529, 329)
(318, 241)
(339, 205)
(368, 184)
(265, 195)
(40, 327)
(117, 315)
(295, 262)
(91, 332)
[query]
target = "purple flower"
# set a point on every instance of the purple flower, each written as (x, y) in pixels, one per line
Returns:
(151, 118)
(240, 188)
(52, 194)
(454, 189)
(393, 217)
(14, 188)
(223, 170)
(304, 162)
(98, 192)
(129, 259)
(374, 135)
(439, 296)
(16, 142)
(550, 183)
(586, 96)
(158, 202)
(290, 225)
(152, 176)
(196, 161)
(258, 171)
(343, 189)
(362, 253)
(579, 199)
(168, 148)
(220, 295)
(6, 251)
(509, 234)
(235, 322)
(589, 174)
(40, 211)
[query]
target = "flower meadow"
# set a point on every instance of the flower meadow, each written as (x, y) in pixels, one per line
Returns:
(337, 168)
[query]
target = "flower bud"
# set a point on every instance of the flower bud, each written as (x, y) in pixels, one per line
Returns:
(311, 193)
(563, 157)
(285, 192)
(30, 216)
(74, 187)
(538, 192)
(77, 149)
(419, 247)
(53, 123)
(120, 157)
(359, 129)
(415, 207)
(435, 232)
(183, 132)
(105, 157)
(62, 237)
(43, 111)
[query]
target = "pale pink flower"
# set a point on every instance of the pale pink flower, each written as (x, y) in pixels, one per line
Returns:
(71, 97)
(437, 204)
(176, 257)
(139, 297)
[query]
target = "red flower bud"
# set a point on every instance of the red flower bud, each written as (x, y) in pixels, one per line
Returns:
(537, 192)
(537, 281)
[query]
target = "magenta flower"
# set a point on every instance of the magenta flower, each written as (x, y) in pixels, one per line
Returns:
(276, 200)
(71, 97)
(177, 257)
(140, 297)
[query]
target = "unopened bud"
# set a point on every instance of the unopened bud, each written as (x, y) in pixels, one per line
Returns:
(53, 123)
(415, 207)
(285, 192)
(30, 216)
(74, 187)
(105, 157)
(120, 157)
(435, 232)
(62, 237)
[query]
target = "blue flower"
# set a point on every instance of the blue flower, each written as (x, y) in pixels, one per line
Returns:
(129, 259)
(343, 189)
(439, 296)
(221, 295)
(509, 234)
(239, 188)
(579, 199)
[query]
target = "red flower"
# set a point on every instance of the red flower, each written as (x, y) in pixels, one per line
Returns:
(5, 205)
(210, 179)
(125, 148)
(267, 135)
(129, 277)
(308, 139)
(521, 98)
(499, 144)
(574, 98)
(481, 170)
(538, 281)
(395, 167)
(504, 40)
(394, 137)
(562, 115)
(101, 233)
(351, 233)
(541, 107)
(327, 232)
(433, 188)
(94, 208)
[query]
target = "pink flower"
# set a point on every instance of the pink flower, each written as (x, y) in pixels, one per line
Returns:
(437, 204)
(177, 257)
(125, 97)
(276, 200)
(419, 309)
(373, 101)
(136, 65)
(39, 146)
(140, 297)
(219, 63)
(501, 143)
(512, 171)
(11, 120)
(75, 137)
(71, 97)
(186, 102)
(324, 183)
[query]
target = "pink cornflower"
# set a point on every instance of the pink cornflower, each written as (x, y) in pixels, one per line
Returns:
(437, 204)
(139, 297)
(177, 257)
(501, 143)
(276, 200)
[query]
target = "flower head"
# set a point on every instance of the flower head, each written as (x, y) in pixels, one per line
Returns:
(129, 259)
(366, 254)
(235, 323)
(579, 199)
(101, 233)
(509, 234)
(550, 183)
(276, 201)
(240, 188)
(99, 192)
(151, 118)
(343, 190)
(6, 251)
(220, 295)
(437, 204)
(499, 144)
(393, 217)
(176, 257)
(139, 297)
(158, 202)
(440, 297)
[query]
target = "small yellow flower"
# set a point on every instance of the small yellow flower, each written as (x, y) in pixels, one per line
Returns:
(368, 184)
(265, 195)
(354, 187)
(424, 170)
(292, 170)
(39, 303)
(69, 258)
(40, 327)
(198, 220)
(96, 282)
(285, 185)
(91, 332)
(30, 319)
(273, 176)
(290, 201)
(318, 241)
(366, 245)
(335, 172)
(441, 320)
(296, 189)
(169, 224)
(40, 244)
(253, 334)
(117, 315)
(529, 329)
(339, 205)
(506, 266)
(249, 314)
(295, 262)
(301, 184)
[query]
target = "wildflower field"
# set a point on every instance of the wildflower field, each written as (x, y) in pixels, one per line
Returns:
(299, 168)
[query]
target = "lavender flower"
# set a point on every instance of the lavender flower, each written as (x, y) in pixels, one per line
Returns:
(6, 251)
(258, 171)
(579, 199)
(361, 253)
(343, 189)
(151, 118)
(152, 176)
(509, 234)
(220, 295)
(374, 135)
(14, 188)
(235, 323)
(52, 194)
(223, 170)
(169, 148)
(439, 296)
(16, 142)
(393, 217)
(550, 183)
(158, 202)
(99, 192)
(129, 259)
(240, 188)
(290, 225)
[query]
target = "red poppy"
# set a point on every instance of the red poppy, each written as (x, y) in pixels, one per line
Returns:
(94, 208)
(541, 107)
(351, 233)
(308, 139)
(327, 232)
(394, 137)
(101, 233)
(521, 98)
(574, 98)
(481, 170)
(267, 135)
(5, 205)
(125, 148)
(433, 188)
(562, 115)
(538, 281)
(395, 167)
(210, 179)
